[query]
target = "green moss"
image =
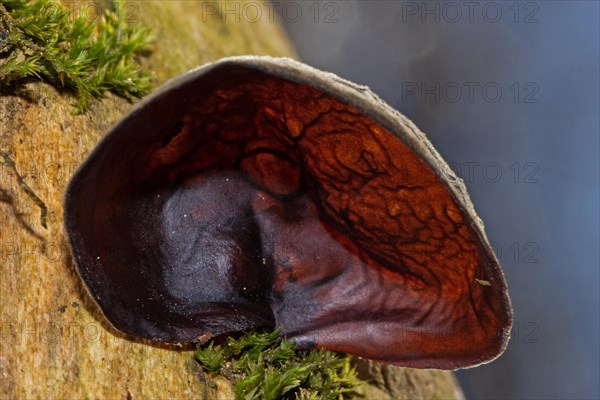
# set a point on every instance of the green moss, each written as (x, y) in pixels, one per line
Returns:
(42, 39)
(265, 366)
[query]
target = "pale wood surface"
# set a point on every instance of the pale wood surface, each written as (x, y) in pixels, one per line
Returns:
(54, 342)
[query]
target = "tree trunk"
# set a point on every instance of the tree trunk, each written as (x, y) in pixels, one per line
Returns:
(54, 341)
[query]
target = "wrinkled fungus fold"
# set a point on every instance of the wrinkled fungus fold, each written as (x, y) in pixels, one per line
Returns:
(254, 193)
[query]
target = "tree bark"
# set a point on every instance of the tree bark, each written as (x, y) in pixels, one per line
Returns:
(54, 341)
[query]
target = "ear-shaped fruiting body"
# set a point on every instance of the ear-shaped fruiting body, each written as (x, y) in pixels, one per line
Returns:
(260, 192)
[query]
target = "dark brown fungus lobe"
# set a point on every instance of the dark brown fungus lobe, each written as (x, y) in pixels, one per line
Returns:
(259, 192)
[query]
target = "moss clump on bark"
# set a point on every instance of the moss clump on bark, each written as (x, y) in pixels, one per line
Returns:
(42, 39)
(265, 366)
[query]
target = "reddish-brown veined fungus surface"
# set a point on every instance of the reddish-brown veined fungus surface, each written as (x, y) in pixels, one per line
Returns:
(249, 195)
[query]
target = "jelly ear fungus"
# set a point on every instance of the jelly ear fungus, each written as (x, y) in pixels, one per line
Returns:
(258, 192)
